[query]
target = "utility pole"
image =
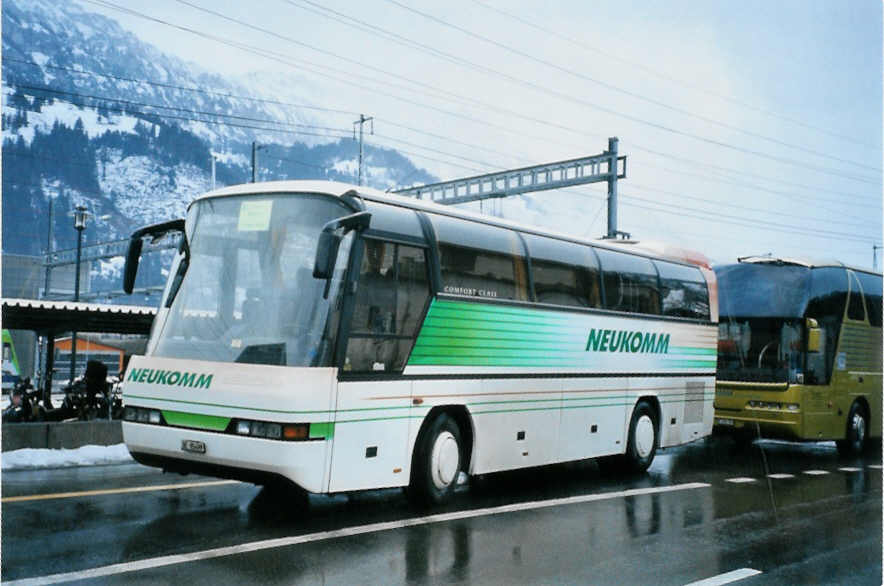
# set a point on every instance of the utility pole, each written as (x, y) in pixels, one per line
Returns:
(362, 120)
(255, 148)
(80, 216)
(875, 249)
(254, 161)
(213, 170)
(612, 186)
(49, 245)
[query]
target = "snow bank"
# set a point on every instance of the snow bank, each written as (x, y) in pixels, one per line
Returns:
(32, 459)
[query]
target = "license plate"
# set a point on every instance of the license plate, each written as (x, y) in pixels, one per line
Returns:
(725, 422)
(193, 446)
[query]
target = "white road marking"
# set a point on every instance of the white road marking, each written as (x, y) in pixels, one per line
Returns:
(726, 578)
(815, 472)
(170, 560)
(740, 480)
(849, 469)
(780, 475)
(875, 466)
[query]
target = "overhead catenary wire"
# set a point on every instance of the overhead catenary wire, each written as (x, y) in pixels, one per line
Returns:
(373, 29)
(485, 164)
(635, 95)
(876, 204)
(768, 156)
(104, 99)
(154, 83)
(275, 56)
(680, 82)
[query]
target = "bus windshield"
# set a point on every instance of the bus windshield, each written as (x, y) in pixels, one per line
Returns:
(760, 328)
(247, 291)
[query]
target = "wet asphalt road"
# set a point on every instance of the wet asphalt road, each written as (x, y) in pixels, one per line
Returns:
(701, 510)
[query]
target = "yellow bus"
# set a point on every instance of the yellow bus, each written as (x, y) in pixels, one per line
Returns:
(799, 351)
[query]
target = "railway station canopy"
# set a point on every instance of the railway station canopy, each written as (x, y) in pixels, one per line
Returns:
(53, 317)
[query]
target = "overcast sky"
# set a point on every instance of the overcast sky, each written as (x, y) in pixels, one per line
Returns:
(749, 127)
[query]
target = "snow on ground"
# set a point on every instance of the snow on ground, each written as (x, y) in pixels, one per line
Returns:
(33, 459)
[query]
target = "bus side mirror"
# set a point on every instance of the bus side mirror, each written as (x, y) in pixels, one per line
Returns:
(814, 335)
(326, 254)
(133, 254)
(330, 241)
(130, 269)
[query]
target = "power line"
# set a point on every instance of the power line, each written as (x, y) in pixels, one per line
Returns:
(675, 131)
(296, 162)
(178, 87)
(676, 81)
(741, 172)
(645, 98)
(172, 108)
(727, 218)
(378, 31)
(748, 222)
(285, 61)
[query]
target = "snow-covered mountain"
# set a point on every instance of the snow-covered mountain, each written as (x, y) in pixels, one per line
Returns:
(94, 116)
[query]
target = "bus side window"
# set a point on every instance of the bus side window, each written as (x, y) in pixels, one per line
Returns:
(828, 296)
(391, 295)
(478, 260)
(683, 291)
(855, 308)
(872, 290)
(564, 273)
(630, 282)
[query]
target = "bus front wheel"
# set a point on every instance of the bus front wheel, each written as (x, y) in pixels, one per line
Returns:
(642, 441)
(437, 462)
(857, 430)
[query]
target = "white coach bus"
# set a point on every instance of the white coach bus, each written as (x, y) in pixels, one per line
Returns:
(347, 339)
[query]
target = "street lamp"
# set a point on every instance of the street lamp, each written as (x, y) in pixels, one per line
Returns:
(80, 216)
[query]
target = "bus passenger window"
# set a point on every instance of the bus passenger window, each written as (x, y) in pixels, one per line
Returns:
(390, 299)
(825, 304)
(630, 282)
(563, 273)
(872, 290)
(478, 260)
(855, 308)
(683, 291)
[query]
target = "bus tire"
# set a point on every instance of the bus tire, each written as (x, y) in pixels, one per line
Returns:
(642, 440)
(857, 432)
(437, 462)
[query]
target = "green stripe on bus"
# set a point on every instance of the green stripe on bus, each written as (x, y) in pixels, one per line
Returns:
(196, 420)
(322, 430)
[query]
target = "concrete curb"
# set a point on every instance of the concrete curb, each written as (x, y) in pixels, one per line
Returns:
(56, 435)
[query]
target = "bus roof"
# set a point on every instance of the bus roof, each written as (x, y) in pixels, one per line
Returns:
(802, 262)
(338, 189)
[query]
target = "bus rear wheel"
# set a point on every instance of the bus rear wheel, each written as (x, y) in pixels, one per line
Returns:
(854, 441)
(642, 441)
(437, 462)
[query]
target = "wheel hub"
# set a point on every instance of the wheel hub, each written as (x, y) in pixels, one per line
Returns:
(445, 460)
(859, 428)
(644, 436)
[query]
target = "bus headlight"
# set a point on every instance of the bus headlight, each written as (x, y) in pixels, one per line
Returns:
(793, 407)
(142, 415)
(274, 431)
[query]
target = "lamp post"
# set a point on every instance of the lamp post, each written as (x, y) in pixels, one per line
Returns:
(80, 216)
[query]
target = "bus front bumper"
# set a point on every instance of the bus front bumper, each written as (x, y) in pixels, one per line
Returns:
(772, 425)
(249, 459)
